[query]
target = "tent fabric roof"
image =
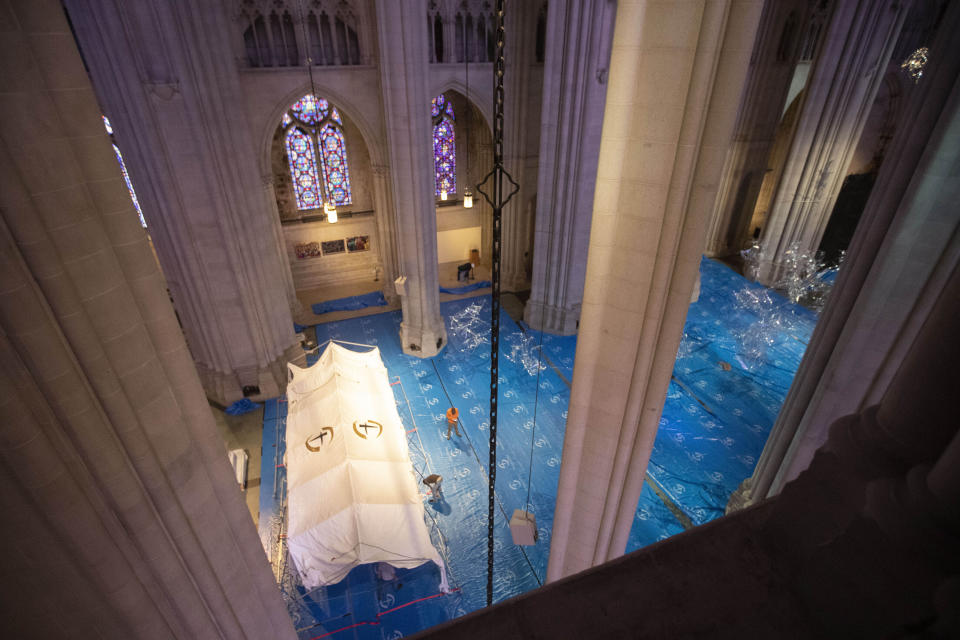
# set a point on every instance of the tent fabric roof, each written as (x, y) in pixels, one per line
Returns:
(352, 494)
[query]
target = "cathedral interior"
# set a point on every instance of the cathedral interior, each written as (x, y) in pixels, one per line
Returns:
(710, 250)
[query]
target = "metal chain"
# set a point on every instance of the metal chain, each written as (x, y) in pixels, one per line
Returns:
(497, 200)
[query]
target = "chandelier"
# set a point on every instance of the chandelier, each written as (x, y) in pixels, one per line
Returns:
(915, 63)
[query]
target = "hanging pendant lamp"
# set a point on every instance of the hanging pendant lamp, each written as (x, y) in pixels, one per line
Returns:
(331, 211)
(467, 193)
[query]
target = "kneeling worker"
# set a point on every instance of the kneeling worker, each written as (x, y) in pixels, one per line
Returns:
(433, 483)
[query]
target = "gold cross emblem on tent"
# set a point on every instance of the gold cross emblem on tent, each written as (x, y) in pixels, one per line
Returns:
(324, 432)
(366, 426)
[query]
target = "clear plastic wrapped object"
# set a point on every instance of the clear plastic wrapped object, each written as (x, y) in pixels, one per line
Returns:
(470, 328)
(751, 260)
(522, 349)
(756, 338)
(805, 278)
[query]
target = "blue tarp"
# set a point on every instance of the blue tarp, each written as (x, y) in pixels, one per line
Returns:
(721, 405)
(466, 288)
(351, 303)
(459, 376)
(241, 407)
(716, 418)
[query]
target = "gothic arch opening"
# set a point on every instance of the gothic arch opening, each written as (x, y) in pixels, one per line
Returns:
(461, 230)
(318, 155)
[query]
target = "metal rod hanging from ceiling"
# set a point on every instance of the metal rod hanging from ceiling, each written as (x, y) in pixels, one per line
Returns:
(498, 178)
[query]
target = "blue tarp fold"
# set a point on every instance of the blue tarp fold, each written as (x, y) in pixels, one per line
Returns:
(351, 303)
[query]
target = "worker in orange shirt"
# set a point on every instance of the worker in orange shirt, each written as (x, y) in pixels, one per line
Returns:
(453, 417)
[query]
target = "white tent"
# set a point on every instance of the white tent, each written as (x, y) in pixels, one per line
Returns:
(352, 494)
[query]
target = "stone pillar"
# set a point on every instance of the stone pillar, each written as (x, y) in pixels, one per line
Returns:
(163, 73)
(676, 73)
(268, 181)
(848, 71)
(386, 231)
(779, 41)
(574, 93)
(406, 98)
(519, 29)
(119, 503)
(877, 305)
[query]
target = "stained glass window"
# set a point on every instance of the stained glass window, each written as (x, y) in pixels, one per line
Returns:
(303, 168)
(336, 175)
(316, 147)
(444, 146)
(123, 170)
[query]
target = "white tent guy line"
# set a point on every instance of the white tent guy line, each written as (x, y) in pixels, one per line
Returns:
(352, 495)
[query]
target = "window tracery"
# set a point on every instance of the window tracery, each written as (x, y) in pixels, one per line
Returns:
(474, 32)
(274, 33)
(315, 145)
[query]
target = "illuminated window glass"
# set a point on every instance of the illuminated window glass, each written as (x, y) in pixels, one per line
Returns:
(123, 170)
(316, 147)
(336, 175)
(303, 169)
(444, 146)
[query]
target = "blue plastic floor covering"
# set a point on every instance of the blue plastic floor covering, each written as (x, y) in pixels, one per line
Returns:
(718, 413)
(426, 388)
(714, 425)
(467, 288)
(350, 303)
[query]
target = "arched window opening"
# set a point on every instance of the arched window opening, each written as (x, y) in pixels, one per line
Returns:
(444, 146)
(290, 41)
(123, 170)
(341, 30)
(256, 43)
(458, 33)
(541, 43)
(250, 47)
(316, 148)
(471, 56)
(481, 39)
(438, 38)
(327, 36)
(316, 45)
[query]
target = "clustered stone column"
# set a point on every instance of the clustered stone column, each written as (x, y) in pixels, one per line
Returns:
(842, 86)
(164, 75)
(403, 79)
(386, 233)
(519, 25)
(676, 73)
(877, 305)
(574, 92)
(775, 56)
(121, 514)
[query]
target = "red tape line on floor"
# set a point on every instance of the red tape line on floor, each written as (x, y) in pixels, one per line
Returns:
(383, 613)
